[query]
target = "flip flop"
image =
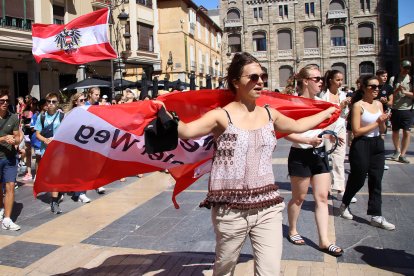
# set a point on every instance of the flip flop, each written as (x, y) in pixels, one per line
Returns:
(332, 250)
(296, 239)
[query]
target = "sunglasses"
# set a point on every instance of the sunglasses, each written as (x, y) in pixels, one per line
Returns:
(51, 101)
(316, 79)
(374, 86)
(255, 77)
(81, 100)
(4, 101)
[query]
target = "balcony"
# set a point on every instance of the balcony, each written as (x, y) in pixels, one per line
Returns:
(201, 69)
(192, 28)
(366, 49)
(311, 52)
(232, 23)
(193, 66)
(16, 23)
(101, 3)
(338, 50)
(260, 55)
(285, 54)
(337, 14)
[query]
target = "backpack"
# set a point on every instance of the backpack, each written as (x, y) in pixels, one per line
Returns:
(47, 131)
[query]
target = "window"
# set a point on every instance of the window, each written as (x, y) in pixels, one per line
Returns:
(366, 68)
(198, 27)
(206, 33)
(310, 9)
(58, 15)
(145, 37)
(336, 5)
(341, 67)
(365, 34)
(338, 36)
(310, 37)
(146, 3)
(13, 14)
(365, 5)
(258, 13)
(285, 72)
(259, 41)
(283, 11)
(234, 43)
(233, 14)
(284, 39)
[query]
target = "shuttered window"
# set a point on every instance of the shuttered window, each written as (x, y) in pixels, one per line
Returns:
(145, 37)
(284, 39)
(365, 34)
(284, 73)
(310, 36)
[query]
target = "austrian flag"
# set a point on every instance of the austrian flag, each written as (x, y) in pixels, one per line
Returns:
(83, 40)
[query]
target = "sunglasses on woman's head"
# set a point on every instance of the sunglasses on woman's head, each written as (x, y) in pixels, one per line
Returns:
(374, 86)
(316, 79)
(51, 101)
(255, 77)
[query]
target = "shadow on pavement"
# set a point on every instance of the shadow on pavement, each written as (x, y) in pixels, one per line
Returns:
(383, 258)
(172, 263)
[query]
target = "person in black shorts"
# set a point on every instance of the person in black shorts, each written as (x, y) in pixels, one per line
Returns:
(306, 168)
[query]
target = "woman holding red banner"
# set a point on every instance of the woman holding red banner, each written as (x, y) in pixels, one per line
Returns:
(306, 167)
(242, 193)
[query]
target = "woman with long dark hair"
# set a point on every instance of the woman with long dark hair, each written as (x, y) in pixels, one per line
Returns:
(366, 155)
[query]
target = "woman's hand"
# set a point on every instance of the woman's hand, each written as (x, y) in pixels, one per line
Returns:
(381, 119)
(315, 141)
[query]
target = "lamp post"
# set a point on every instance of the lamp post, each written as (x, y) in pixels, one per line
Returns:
(120, 25)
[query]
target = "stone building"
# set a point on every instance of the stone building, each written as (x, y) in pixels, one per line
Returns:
(136, 44)
(190, 42)
(355, 37)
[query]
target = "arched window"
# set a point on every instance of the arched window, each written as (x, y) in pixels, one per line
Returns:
(233, 14)
(336, 5)
(284, 40)
(366, 68)
(341, 67)
(234, 41)
(338, 36)
(310, 37)
(285, 72)
(259, 41)
(365, 34)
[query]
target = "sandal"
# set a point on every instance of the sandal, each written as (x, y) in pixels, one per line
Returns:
(296, 239)
(332, 250)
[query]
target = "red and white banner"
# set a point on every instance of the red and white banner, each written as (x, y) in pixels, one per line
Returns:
(83, 40)
(96, 145)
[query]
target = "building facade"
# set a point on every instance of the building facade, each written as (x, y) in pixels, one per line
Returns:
(355, 37)
(190, 42)
(21, 75)
(407, 42)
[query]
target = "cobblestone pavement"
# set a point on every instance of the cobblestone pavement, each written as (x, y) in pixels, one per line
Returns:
(134, 230)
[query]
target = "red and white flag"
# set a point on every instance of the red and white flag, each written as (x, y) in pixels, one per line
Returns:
(96, 145)
(83, 40)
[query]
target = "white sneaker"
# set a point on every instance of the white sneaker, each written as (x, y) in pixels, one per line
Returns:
(84, 199)
(354, 200)
(381, 222)
(344, 212)
(386, 168)
(100, 190)
(1, 214)
(10, 226)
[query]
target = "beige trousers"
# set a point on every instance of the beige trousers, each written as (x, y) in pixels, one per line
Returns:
(338, 160)
(263, 226)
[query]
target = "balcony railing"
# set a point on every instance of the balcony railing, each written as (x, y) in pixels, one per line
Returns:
(337, 14)
(232, 23)
(366, 49)
(311, 52)
(101, 3)
(285, 53)
(338, 50)
(260, 54)
(16, 23)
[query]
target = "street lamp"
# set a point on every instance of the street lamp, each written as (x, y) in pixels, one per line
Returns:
(122, 22)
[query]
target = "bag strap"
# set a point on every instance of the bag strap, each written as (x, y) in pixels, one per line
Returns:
(43, 118)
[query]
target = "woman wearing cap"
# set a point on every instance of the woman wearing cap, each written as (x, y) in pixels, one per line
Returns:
(104, 100)
(244, 200)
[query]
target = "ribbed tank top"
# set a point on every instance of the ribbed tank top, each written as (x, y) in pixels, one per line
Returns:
(369, 118)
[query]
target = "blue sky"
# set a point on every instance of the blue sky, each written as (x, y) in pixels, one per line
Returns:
(406, 11)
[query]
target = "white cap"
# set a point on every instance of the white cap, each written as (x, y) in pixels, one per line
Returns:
(105, 96)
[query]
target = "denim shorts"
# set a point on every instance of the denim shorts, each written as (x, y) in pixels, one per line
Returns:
(8, 169)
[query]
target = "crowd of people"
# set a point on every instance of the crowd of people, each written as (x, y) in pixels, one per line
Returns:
(244, 200)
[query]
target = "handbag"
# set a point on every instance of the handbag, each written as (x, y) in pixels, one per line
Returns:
(47, 131)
